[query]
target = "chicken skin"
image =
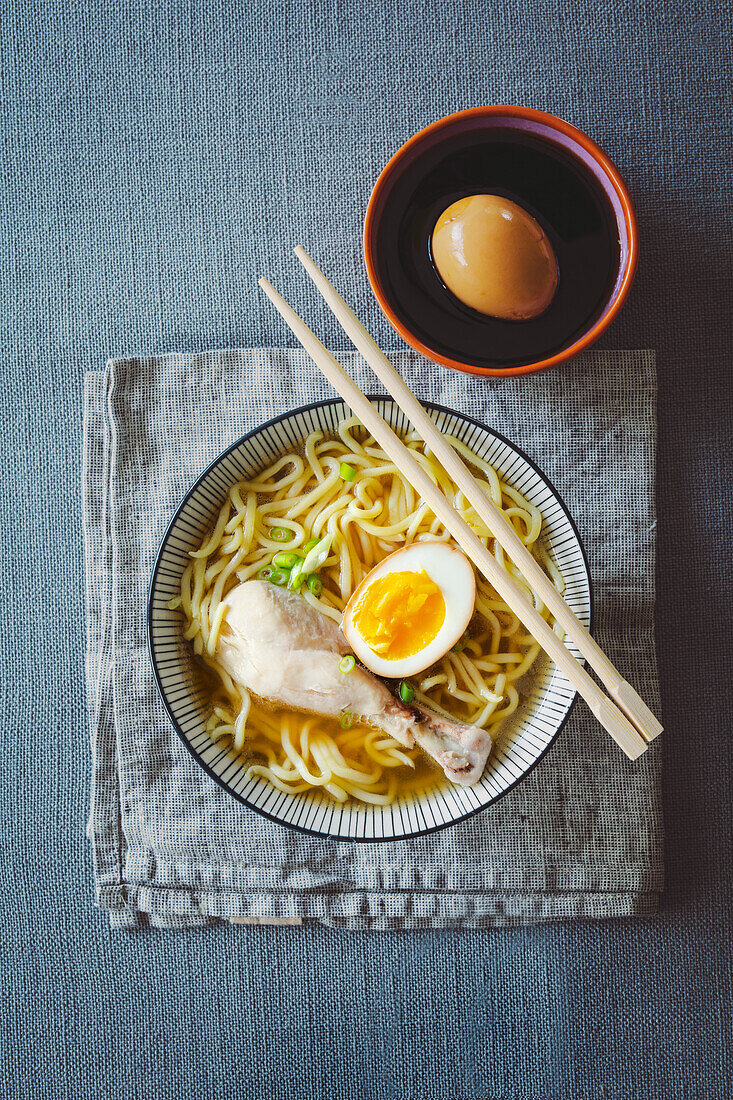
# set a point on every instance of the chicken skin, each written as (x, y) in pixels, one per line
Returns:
(276, 645)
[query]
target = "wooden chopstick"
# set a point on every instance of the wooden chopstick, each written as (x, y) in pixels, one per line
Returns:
(607, 713)
(618, 688)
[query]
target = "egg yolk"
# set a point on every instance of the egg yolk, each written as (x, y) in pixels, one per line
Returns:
(495, 257)
(400, 614)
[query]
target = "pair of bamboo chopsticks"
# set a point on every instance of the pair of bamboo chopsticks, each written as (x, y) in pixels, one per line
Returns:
(631, 723)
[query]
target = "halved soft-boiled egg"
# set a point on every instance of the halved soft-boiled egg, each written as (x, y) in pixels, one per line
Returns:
(410, 609)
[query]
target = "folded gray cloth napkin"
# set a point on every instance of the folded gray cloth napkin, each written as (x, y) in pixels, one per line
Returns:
(579, 837)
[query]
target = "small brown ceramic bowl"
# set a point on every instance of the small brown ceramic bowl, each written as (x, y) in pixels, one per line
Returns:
(556, 173)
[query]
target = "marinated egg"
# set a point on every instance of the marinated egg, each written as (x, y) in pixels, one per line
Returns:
(410, 609)
(495, 257)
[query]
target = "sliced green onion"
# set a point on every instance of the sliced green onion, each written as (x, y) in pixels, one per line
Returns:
(407, 691)
(297, 576)
(309, 546)
(346, 472)
(347, 720)
(315, 584)
(315, 557)
(279, 577)
(461, 643)
(286, 559)
(265, 573)
(280, 534)
(346, 664)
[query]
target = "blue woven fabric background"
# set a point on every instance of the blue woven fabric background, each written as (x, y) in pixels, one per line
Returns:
(156, 159)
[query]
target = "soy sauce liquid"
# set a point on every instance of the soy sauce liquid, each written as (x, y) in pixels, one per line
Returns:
(555, 188)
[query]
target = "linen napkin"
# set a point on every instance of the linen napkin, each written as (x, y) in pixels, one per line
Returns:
(579, 837)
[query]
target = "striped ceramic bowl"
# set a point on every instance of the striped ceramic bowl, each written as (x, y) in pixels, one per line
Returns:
(526, 737)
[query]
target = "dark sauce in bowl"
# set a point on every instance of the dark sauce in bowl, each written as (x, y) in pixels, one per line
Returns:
(554, 186)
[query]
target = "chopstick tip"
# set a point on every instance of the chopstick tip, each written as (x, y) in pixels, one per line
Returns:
(269, 290)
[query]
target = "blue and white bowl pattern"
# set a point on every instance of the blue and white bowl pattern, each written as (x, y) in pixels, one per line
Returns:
(526, 737)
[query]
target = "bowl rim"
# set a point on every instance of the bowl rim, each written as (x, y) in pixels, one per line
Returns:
(170, 529)
(601, 158)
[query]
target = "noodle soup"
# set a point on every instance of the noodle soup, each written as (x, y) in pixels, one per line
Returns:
(361, 516)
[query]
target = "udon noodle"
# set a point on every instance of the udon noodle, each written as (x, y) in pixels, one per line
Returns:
(302, 497)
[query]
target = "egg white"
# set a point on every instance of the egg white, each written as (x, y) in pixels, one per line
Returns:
(451, 571)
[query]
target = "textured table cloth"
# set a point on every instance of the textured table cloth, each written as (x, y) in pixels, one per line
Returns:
(145, 147)
(579, 837)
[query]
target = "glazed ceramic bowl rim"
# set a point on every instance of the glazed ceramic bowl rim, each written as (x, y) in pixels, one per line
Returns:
(528, 114)
(161, 566)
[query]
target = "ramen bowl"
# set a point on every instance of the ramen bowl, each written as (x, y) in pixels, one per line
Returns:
(526, 736)
(559, 176)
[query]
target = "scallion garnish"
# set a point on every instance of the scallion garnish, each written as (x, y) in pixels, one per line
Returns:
(279, 577)
(407, 691)
(297, 576)
(315, 584)
(316, 556)
(280, 534)
(309, 546)
(346, 472)
(286, 559)
(347, 720)
(346, 664)
(265, 573)
(461, 643)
